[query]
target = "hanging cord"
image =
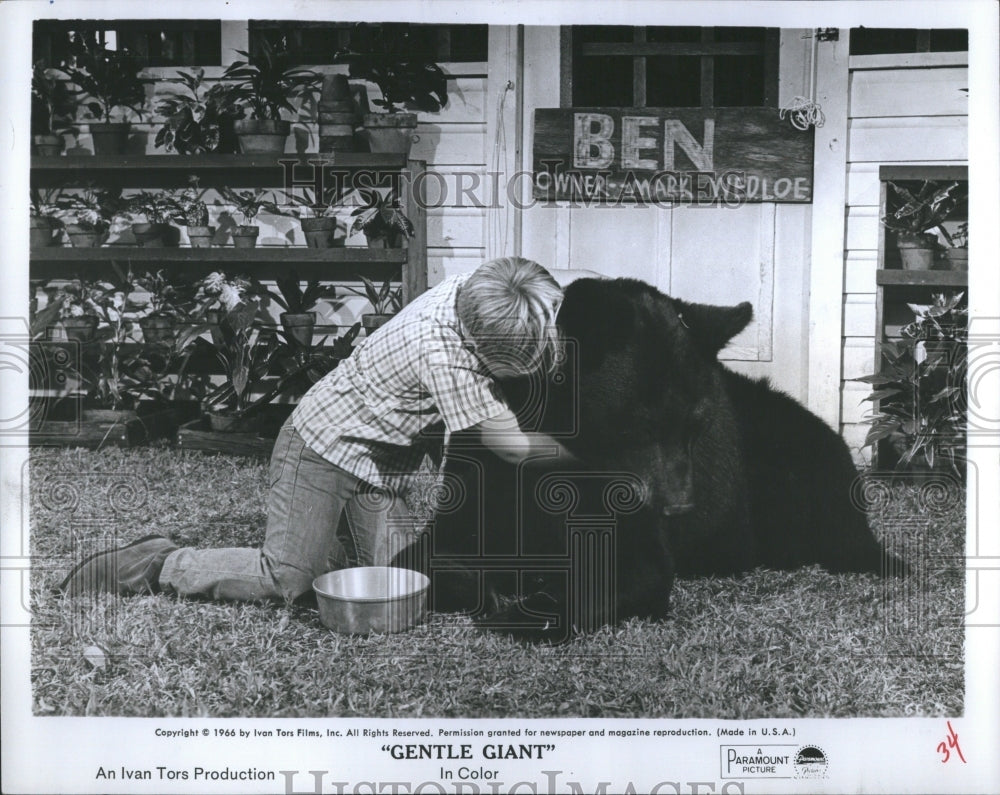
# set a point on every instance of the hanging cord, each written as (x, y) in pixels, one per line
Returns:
(805, 111)
(497, 229)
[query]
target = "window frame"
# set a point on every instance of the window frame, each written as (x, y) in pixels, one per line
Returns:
(707, 49)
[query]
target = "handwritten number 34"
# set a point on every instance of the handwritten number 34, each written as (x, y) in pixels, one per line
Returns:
(945, 747)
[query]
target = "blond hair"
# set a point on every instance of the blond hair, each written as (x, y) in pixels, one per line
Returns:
(508, 307)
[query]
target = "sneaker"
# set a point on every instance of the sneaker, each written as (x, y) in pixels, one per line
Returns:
(131, 569)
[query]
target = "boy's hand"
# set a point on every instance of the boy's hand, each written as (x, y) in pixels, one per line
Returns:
(502, 436)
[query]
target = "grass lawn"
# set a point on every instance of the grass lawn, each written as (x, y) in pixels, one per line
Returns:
(769, 644)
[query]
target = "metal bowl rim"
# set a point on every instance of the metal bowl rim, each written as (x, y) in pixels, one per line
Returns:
(422, 579)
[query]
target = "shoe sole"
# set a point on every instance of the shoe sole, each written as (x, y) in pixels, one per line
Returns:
(61, 588)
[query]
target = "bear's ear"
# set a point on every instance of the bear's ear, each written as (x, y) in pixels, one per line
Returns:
(713, 326)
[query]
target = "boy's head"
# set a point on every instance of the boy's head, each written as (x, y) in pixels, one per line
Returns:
(507, 309)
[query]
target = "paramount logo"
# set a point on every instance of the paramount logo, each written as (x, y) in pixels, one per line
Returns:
(758, 761)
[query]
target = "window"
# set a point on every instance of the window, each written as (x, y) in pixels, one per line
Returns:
(316, 42)
(630, 67)
(156, 42)
(876, 41)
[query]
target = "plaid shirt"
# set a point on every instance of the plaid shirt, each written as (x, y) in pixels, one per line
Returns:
(383, 409)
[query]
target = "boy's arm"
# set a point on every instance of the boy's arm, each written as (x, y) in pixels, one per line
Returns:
(505, 439)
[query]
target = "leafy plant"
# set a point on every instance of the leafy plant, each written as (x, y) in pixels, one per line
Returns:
(168, 297)
(265, 83)
(44, 204)
(197, 120)
(387, 55)
(121, 377)
(53, 102)
(155, 207)
(110, 78)
(190, 209)
(381, 218)
(306, 205)
(921, 212)
(959, 238)
(293, 299)
(247, 203)
(920, 388)
(92, 209)
(384, 300)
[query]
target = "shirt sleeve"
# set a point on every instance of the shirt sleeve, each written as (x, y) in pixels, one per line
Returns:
(463, 394)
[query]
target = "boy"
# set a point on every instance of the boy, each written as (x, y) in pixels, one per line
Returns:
(359, 434)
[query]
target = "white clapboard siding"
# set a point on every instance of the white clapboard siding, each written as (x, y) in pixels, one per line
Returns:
(863, 184)
(463, 187)
(450, 144)
(859, 271)
(859, 315)
(862, 228)
(899, 115)
(456, 228)
(859, 356)
(885, 93)
(445, 262)
(855, 408)
(909, 139)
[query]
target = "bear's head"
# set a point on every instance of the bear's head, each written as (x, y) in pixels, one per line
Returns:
(642, 380)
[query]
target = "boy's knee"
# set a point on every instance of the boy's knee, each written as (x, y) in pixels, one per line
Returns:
(290, 582)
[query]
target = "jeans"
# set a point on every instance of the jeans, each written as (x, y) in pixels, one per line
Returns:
(319, 518)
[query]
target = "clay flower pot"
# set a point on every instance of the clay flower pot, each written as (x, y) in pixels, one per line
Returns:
(299, 326)
(201, 236)
(319, 232)
(41, 232)
(957, 258)
(81, 237)
(262, 136)
(47, 145)
(157, 328)
(390, 132)
(109, 139)
(245, 236)
(917, 251)
(155, 235)
(80, 329)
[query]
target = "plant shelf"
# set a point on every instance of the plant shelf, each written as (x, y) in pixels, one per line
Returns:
(264, 262)
(904, 278)
(172, 171)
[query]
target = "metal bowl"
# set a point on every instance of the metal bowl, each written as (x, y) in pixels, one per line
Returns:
(371, 599)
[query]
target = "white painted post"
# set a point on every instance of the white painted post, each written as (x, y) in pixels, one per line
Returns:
(826, 270)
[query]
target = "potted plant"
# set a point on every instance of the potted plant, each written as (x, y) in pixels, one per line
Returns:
(110, 78)
(90, 214)
(168, 300)
(240, 347)
(79, 310)
(957, 252)
(45, 218)
(318, 219)
(155, 209)
(385, 300)
(920, 388)
(52, 107)
(262, 86)
(386, 55)
(192, 211)
(916, 215)
(196, 120)
(248, 204)
(299, 317)
(381, 219)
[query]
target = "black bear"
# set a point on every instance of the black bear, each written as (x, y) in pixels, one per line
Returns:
(679, 466)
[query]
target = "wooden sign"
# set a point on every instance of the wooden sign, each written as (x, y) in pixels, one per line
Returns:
(726, 156)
